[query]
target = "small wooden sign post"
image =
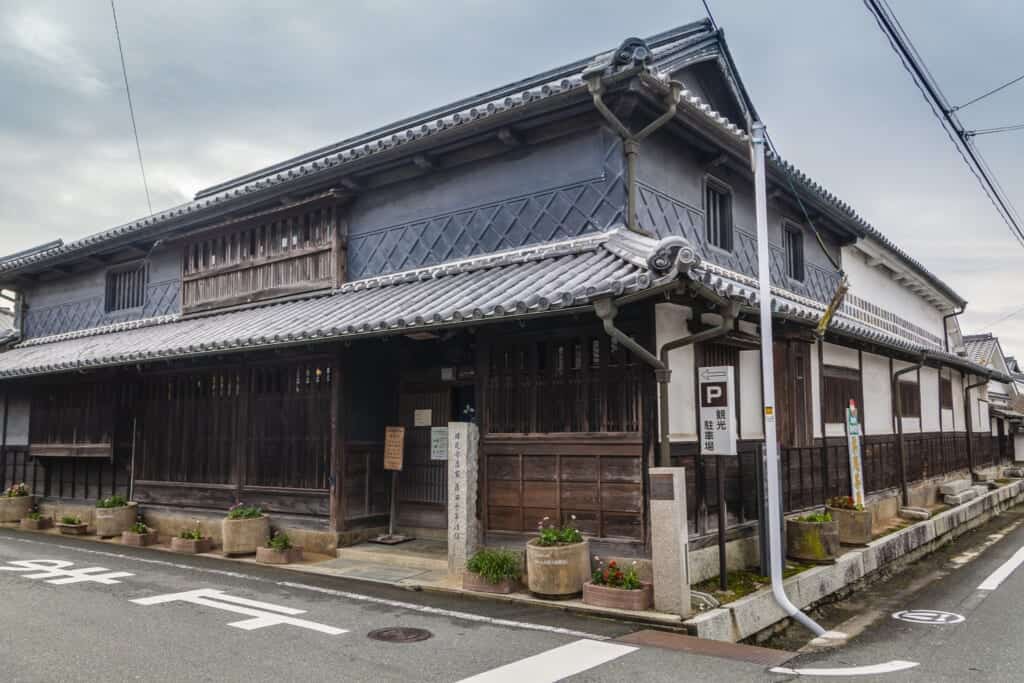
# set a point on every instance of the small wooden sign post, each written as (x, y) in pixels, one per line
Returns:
(394, 451)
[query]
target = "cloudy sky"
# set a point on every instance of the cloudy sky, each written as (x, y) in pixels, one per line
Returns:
(221, 88)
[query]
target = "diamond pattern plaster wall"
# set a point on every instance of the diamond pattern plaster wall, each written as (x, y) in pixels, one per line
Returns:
(162, 298)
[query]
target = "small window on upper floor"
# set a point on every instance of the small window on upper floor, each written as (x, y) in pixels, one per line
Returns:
(126, 287)
(793, 247)
(718, 215)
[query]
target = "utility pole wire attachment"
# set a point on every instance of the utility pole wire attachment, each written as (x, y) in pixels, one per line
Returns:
(131, 109)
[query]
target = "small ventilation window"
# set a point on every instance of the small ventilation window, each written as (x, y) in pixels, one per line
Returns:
(718, 215)
(126, 288)
(793, 245)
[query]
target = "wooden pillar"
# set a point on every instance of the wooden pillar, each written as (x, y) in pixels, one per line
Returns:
(337, 426)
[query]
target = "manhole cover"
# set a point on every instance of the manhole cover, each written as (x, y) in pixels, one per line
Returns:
(400, 634)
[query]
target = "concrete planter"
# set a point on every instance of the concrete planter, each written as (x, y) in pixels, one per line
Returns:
(112, 522)
(140, 540)
(637, 599)
(36, 524)
(477, 583)
(73, 529)
(14, 509)
(812, 541)
(271, 556)
(244, 536)
(191, 546)
(557, 571)
(854, 525)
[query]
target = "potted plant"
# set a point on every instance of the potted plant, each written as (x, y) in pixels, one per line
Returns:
(15, 503)
(854, 520)
(114, 515)
(610, 586)
(192, 541)
(72, 526)
(492, 571)
(557, 561)
(813, 537)
(139, 535)
(278, 550)
(34, 520)
(245, 529)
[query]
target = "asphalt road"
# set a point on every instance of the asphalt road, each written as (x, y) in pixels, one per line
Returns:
(148, 615)
(59, 627)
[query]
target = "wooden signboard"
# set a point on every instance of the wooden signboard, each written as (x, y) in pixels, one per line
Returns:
(394, 445)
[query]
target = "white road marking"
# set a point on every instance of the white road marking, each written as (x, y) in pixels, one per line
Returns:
(931, 617)
(57, 572)
(356, 597)
(555, 665)
(870, 670)
(1003, 572)
(262, 614)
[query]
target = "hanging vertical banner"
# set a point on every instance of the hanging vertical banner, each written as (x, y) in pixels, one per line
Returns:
(853, 445)
(717, 411)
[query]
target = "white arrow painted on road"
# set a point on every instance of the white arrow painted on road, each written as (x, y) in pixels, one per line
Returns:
(870, 670)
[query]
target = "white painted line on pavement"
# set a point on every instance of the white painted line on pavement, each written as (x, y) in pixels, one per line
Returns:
(870, 670)
(357, 597)
(57, 572)
(555, 665)
(438, 611)
(1003, 572)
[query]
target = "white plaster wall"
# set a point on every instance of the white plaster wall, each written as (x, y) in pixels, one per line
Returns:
(929, 399)
(816, 390)
(958, 400)
(750, 395)
(840, 356)
(879, 288)
(910, 424)
(671, 323)
(877, 406)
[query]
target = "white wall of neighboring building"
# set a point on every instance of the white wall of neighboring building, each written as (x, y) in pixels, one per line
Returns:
(815, 391)
(877, 409)
(751, 424)
(671, 323)
(958, 401)
(929, 399)
(878, 287)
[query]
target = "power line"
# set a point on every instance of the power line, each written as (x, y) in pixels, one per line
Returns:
(989, 131)
(911, 60)
(993, 91)
(131, 109)
(707, 9)
(1004, 318)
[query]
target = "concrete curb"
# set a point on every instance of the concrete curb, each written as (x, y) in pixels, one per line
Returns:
(754, 614)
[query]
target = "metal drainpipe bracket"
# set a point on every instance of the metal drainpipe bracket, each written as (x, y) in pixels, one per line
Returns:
(664, 376)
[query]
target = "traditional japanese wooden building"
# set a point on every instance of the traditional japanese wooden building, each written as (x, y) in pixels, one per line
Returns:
(517, 258)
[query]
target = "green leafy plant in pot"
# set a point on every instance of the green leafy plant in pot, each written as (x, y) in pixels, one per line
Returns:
(491, 570)
(813, 537)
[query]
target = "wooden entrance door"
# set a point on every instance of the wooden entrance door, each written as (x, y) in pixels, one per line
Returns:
(423, 483)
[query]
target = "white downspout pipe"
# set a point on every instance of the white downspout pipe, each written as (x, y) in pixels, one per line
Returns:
(774, 512)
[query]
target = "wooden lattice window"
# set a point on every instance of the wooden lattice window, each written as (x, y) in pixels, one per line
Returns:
(910, 398)
(126, 288)
(718, 214)
(841, 385)
(793, 246)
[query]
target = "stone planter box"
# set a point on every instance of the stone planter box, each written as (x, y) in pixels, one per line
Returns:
(112, 522)
(191, 546)
(637, 599)
(14, 509)
(271, 556)
(36, 524)
(140, 540)
(477, 583)
(557, 571)
(854, 525)
(73, 529)
(244, 536)
(812, 541)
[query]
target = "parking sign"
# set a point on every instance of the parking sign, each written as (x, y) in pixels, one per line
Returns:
(717, 414)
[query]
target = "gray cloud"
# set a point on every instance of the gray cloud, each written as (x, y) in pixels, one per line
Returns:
(223, 88)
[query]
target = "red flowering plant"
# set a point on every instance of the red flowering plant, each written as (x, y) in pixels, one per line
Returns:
(844, 503)
(613, 576)
(16, 490)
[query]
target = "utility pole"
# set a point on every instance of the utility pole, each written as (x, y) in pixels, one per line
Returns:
(774, 512)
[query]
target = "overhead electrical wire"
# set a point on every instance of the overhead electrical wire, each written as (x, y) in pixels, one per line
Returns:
(993, 91)
(131, 108)
(911, 60)
(999, 129)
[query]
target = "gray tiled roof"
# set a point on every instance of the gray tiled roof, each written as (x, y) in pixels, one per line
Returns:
(669, 50)
(530, 281)
(980, 347)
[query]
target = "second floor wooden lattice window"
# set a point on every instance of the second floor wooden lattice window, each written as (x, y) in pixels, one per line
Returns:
(126, 288)
(281, 252)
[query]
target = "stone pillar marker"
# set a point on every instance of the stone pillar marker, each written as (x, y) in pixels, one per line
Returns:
(463, 526)
(670, 540)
